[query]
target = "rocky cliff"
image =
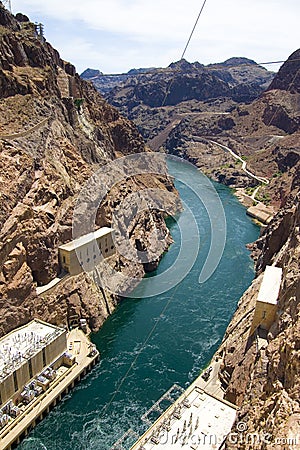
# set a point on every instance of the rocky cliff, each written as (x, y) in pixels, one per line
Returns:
(55, 132)
(261, 372)
(264, 133)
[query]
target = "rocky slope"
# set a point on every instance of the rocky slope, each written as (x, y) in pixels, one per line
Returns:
(55, 132)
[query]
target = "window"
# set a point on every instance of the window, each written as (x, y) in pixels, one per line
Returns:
(64, 259)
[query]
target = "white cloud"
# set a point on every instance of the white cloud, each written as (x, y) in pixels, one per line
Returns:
(150, 32)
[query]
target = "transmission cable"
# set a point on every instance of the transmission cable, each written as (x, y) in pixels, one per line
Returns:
(184, 51)
(193, 30)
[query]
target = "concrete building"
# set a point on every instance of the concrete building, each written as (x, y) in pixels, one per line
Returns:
(24, 410)
(85, 252)
(266, 303)
(25, 352)
(262, 213)
(197, 420)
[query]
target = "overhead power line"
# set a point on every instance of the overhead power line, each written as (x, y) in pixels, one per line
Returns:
(212, 66)
(192, 32)
(184, 51)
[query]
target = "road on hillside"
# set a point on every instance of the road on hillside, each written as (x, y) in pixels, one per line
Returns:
(244, 163)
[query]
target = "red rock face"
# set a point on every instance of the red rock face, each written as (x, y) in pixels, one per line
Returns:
(50, 144)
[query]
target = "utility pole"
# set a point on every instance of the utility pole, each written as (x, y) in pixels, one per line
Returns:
(7, 3)
(39, 31)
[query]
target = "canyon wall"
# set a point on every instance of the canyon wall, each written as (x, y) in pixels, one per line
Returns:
(261, 372)
(55, 132)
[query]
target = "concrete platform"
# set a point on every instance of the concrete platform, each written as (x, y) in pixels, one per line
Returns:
(261, 213)
(47, 288)
(199, 419)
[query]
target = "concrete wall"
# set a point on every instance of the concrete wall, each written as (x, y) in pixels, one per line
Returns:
(65, 259)
(7, 388)
(56, 348)
(264, 316)
(37, 363)
(106, 245)
(23, 375)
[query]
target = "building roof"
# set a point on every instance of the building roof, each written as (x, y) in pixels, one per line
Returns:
(23, 343)
(204, 423)
(82, 240)
(269, 289)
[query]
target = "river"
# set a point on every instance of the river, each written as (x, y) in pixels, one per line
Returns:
(150, 343)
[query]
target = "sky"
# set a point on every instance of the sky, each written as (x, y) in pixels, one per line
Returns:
(115, 36)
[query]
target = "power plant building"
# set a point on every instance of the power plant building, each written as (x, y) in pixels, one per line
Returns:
(266, 303)
(25, 353)
(86, 251)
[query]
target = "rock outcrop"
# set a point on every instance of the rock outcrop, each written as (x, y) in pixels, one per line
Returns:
(55, 132)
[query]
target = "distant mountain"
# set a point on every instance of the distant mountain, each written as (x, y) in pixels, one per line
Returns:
(151, 96)
(266, 132)
(235, 61)
(88, 74)
(138, 71)
(288, 77)
(244, 81)
(104, 83)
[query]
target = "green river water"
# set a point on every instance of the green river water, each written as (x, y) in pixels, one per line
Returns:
(150, 343)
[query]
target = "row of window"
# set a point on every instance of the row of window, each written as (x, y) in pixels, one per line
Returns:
(95, 256)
